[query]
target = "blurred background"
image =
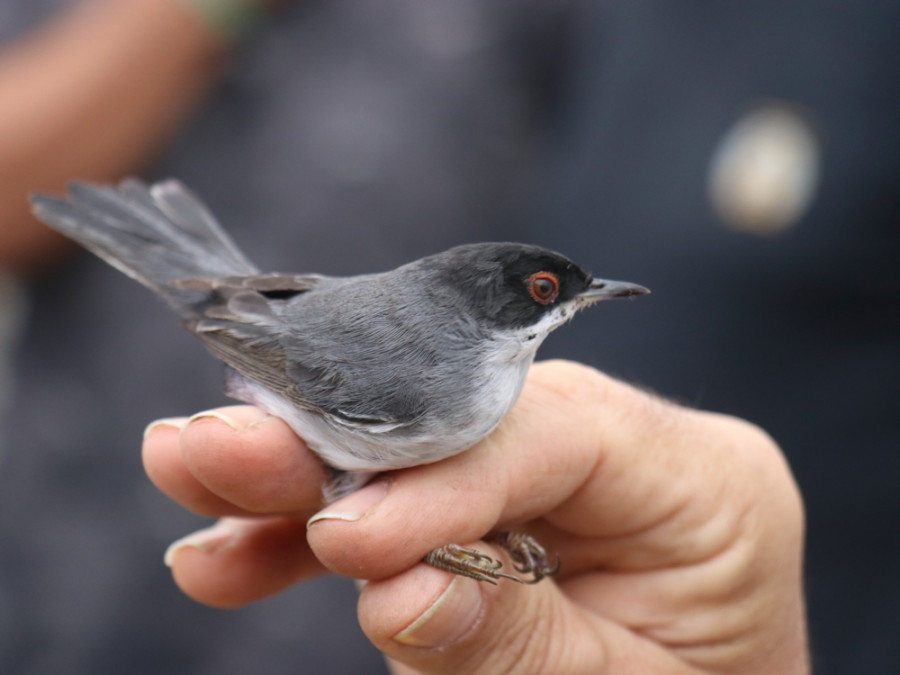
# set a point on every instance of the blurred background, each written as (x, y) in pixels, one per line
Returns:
(740, 159)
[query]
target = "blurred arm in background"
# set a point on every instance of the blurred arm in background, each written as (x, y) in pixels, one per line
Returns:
(93, 94)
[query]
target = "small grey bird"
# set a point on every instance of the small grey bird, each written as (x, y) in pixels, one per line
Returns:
(375, 372)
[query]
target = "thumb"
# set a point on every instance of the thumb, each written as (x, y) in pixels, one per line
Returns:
(428, 621)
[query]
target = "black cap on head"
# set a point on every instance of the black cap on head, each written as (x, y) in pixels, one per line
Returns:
(511, 285)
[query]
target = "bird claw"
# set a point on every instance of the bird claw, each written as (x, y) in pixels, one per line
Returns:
(468, 562)
(528, 557)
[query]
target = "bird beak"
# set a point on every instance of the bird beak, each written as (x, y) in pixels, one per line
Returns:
(604, 289)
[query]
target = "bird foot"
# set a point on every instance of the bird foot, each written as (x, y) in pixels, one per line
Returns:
(528, 557)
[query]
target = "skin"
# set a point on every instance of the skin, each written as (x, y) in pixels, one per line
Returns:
(680, 534)
(92, 91)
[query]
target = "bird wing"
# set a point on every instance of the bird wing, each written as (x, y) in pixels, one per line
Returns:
(240, 325)
(274, 284)
(314, 366)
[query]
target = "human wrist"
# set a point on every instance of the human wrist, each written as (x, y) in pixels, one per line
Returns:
(231, 20)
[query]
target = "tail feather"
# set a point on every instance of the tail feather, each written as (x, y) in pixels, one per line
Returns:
(153, 234)
(187, 211)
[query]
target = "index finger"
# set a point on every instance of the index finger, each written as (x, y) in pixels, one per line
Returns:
(237, 460)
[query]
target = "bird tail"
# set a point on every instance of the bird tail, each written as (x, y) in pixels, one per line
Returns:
(154, 234)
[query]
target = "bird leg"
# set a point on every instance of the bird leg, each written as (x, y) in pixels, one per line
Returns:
(528, 557)
(467, 562)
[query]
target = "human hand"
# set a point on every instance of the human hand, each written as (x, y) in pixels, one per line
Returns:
(680, 534)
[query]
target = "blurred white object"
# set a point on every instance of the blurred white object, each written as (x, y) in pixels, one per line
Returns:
(765, 170)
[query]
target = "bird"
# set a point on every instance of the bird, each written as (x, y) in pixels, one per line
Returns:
(374, 372)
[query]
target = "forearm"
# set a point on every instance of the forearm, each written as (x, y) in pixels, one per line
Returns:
(93, 95)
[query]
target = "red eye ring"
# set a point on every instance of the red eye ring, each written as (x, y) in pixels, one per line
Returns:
(543, 287)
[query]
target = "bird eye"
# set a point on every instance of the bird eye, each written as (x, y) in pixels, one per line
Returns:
(543, 287)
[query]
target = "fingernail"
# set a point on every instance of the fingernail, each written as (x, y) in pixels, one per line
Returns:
(168, 422)
(207, 540)
(266, 417)
(455, 612)
(216, 415)
(355, 506)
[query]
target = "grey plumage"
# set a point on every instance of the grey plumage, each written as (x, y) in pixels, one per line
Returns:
(375, 372)
(152, 234)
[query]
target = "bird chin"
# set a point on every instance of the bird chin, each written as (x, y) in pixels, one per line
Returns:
(564, 312)
(583, 301)
(534, 335)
